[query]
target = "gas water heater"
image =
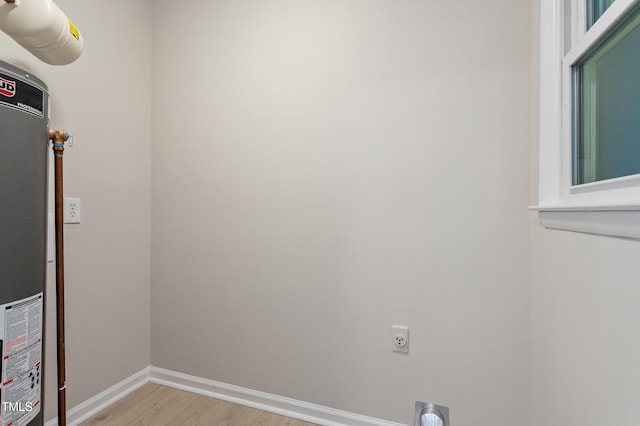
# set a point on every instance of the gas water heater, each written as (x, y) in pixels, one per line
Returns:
(24, 120)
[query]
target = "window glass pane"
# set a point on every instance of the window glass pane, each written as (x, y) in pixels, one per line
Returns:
(608, 107)
(595, 9)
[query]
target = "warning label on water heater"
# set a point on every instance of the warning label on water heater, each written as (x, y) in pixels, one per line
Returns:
(19, 95)
(21, 348)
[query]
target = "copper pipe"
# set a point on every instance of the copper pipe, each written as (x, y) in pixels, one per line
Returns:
(59, 137)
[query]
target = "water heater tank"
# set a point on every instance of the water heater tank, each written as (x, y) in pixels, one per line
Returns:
(23, 225)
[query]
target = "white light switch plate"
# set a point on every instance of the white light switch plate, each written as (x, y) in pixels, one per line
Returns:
(51, 237)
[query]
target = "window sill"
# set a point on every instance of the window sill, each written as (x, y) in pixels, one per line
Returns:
(614, 221)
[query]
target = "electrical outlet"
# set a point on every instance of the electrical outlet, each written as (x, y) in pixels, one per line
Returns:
(72, 210)
(400, 338)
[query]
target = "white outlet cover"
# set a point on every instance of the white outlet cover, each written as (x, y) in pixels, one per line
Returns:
(72, 210)
(51, 237)
(399, 334)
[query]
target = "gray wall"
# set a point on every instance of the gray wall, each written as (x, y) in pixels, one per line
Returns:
(585, 321)
(104, 98)
(584, 293)
(323, 170)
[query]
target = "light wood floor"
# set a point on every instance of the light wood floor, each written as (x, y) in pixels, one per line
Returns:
(157, 405)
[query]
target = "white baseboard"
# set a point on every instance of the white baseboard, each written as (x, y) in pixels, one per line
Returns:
(238, 395)
(263, 401)
(94, 405)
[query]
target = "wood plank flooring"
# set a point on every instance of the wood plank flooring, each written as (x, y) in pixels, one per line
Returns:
(157, 405)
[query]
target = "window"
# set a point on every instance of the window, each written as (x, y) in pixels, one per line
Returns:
(590, 116)
(595, 9)
(607, 106)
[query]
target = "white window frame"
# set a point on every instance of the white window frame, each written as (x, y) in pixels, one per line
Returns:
(610, 207)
